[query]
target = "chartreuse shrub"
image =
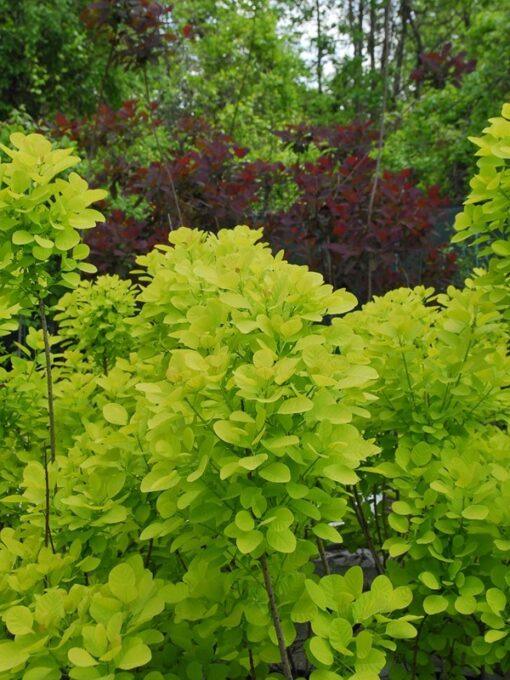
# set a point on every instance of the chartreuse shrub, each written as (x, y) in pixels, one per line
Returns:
(485, 218)
(436, 502)
(41, 215)
(41, 212)
(8, 311)
(434, 506)
(44, 600)
(94, 318)
(245, 418)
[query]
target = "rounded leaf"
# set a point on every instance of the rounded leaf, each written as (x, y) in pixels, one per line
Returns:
(122, 582)
(282, 541)
(67, 239)
(244, 520)
(401, 630)
(81, 658)
(22, 237)
(435, 604)
(11, 655)
(475, 512)
(401, 508)
(465, 604)
(430, 580)
(249, 541)
(327, 533)
(135, 655)
(115, 414)
(316, 593)
(19, 620)
(341, 474)
(323, 674)
(276, 472)
(296, 405)
(496, 599)
(340, 635)
(321, 651)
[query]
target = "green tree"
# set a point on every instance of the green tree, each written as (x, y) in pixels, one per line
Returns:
(236, 69)
(48, 62)
(430, 133)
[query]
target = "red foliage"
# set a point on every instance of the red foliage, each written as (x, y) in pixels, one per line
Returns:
(107, 127)
(115, 243)
(336, 140)
(440, 67)
(187, 31)
(137, 30)
(111, 129)
(214, 188)
(318, 212)
(328, 226)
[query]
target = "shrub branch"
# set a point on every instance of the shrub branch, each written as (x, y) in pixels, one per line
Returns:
(287, 672)
(51, 421)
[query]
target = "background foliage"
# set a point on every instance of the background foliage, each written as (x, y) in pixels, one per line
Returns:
(210, 114)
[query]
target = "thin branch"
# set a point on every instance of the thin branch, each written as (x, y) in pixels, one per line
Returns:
(109, 63)
(358, 509)
(48, 540)
(181, 561)
(416, 648)
(376, 515)
(287, 672)
(253, 674)
(380, 140)
(323, 556)
(319, 45)
(244, 73)
(403, 12)
(408, 376)
(447, 395)
(149, 553)
(160, 153)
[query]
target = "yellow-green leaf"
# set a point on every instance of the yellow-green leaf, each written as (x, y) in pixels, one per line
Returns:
(115, 414)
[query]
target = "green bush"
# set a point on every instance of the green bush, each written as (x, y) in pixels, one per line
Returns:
(178, 456)
(485, 218)
(441, 487)
(94, 318)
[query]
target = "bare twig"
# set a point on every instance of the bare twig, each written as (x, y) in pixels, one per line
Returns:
(48, 540)
(358, 509)
(149, 553)
(416, 648)
(324, 559)
(380, 140)
(244, 73)
(319, 45)
(287, 672)
(161, 155)
(376, 515)
(181, 561)
(253, 674)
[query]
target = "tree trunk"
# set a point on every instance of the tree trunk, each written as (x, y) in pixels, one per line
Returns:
(319, 45)
(417, 37)
(385, 52)
(359, 32)
(372, 34)
(404, 18)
